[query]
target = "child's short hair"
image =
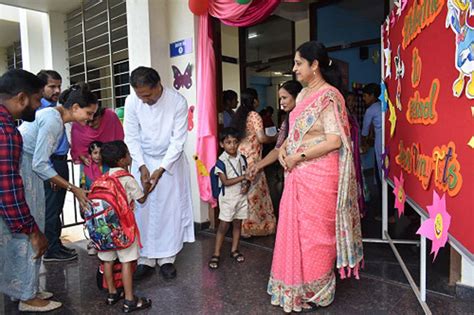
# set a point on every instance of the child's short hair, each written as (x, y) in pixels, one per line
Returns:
(94, 145)
(229, 132)
(113, 151)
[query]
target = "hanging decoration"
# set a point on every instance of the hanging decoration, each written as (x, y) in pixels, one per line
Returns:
(190, 117)
(385, 162)
(458, 13)
(437, 226)
(243, 1)
(201, 168)
(182, 80)
(198, 7)
(388, 60)
(120, 111)
(400, 196)
(399, 74)
(383, 96)
(392, 118)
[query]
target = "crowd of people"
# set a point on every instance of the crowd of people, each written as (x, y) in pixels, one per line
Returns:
(316, 145)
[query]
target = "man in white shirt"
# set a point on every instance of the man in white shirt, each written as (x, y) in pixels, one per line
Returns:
(155, 126)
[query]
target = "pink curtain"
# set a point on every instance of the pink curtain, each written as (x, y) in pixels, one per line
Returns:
(206, 106)
(234, 14)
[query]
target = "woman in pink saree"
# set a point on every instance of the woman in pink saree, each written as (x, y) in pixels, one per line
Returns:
(319, 223)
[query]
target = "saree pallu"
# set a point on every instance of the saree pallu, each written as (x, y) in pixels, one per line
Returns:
(305, 248)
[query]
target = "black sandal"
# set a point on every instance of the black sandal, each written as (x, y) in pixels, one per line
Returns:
(113, 298)
(237, 256)
(213, 263)
(135, 305)
(313, 307)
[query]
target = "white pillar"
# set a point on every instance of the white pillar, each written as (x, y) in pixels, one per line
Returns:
(152, 25)
(36, 50)
(58, 37)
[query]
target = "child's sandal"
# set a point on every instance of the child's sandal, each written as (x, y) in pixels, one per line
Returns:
(237, 256)
(113, 298)
(214, 262)
(135, 305)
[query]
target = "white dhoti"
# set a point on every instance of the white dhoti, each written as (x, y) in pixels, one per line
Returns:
(165, 220)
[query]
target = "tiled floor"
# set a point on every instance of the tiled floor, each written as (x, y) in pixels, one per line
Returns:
(237, 288)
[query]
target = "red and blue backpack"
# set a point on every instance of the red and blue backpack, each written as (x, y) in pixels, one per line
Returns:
(110, 221)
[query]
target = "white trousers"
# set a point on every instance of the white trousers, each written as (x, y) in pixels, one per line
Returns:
(156, 261)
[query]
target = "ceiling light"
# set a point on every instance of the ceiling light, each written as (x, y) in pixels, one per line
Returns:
(277, 73)
(252, 35)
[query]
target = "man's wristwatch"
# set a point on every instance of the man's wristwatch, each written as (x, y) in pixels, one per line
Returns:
(69, 187)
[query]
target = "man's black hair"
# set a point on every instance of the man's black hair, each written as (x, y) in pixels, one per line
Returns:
(229, 132)
(15, 81)
(112, 152)
(144, 76)
(49, 74)
(372, 89)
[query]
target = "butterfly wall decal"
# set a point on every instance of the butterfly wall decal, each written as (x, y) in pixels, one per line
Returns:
(182, 80)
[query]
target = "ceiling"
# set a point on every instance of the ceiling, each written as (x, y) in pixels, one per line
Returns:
(10, 33)
(62, 6)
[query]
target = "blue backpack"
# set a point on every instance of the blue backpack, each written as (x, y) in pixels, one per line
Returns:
(216, 189)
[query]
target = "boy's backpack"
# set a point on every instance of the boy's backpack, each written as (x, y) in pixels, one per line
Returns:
(110, 220)
(216, 189)
(116, 274)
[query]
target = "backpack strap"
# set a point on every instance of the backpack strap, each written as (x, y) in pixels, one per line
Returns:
(221, 165)
(244, 159)
(120, 173)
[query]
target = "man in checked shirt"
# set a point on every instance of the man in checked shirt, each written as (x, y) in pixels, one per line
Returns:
(21, 241)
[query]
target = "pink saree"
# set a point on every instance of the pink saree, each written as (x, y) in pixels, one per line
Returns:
(319, 216)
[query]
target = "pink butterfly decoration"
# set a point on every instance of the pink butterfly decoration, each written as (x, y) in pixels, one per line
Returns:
(190, 117)
(182, 80)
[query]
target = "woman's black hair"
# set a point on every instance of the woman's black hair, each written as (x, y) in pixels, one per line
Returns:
(228, 96)
(293, 87)
(94, 145)
(77, 94)
(247, 105)
(314, 50)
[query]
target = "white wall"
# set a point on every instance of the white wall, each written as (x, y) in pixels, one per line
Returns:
(230, 48)
(58, 47)
(152, 26)
(301, 32)
(3, 60)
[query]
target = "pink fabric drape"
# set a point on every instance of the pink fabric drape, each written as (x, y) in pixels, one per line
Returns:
(234, 14)
(206, 106)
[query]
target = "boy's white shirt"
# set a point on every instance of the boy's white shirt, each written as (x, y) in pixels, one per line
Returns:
(130, 184)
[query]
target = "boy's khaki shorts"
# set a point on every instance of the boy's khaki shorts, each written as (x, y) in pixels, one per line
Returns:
(124, 255)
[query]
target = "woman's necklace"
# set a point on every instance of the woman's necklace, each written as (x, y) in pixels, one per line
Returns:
(315, 85)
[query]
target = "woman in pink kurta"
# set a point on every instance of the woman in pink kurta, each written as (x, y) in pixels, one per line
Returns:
(319, 224)
(261, 218)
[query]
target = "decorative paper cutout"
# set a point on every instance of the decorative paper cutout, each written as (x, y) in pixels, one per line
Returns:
(436, 228)
(400, 196)
(392, 18)
(442, 163)
(420, 15)
(388, 60)
(383, 96)
(392, 118)
(423, 111)
(399, 74)
(471, 142)
(456, 18)
(182, 80)
(190, 117)
(202, 170)
(387, 25)
(386, 162)
(415, 68)
(400, 5)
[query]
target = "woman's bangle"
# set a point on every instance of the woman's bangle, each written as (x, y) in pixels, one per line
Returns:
(69, 187)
